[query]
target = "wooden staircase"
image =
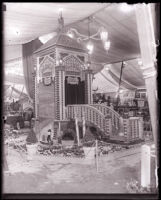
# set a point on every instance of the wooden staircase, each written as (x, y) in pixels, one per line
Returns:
(97, 115)
(115, 118)
(108, 121)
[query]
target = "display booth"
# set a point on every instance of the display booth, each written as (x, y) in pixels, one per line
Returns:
(63, 91)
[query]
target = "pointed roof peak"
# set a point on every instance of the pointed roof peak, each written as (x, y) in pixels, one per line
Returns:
(62, 40)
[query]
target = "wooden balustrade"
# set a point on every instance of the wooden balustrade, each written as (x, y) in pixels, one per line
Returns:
(90, 113)
(112, 126)
(105, 110)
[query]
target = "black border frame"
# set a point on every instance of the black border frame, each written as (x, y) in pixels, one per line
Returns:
(77, 196)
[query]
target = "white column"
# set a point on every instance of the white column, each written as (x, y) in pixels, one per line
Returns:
(36, 87)
(145, 166)
(148, 55)
(60, 95)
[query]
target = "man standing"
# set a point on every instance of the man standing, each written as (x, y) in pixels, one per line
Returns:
(49, 137)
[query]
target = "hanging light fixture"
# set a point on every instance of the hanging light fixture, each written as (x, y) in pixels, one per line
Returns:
(103, 34)
(90, 46)
(123, 64)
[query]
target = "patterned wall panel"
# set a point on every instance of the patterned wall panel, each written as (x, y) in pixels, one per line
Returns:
(72, 63)
(47, 66)
(45, 85)
(60, 93)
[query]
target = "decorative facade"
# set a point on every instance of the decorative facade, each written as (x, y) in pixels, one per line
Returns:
(60, 67)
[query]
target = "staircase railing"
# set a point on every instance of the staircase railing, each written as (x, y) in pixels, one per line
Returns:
(91, 114)
(105, 110)
(108, 120)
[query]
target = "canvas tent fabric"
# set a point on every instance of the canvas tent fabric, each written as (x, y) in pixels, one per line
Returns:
(15, 92)
(28, 65)
(107, 79)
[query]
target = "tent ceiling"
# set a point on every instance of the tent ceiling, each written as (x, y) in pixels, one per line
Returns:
(36, 19)
(131, 72)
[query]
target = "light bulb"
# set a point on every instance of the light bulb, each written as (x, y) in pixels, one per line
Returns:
(70, 34)
(107, 67)
(107, 45)
(88, 64)
(47, 37)
(60, 10)
(140, 62)
(120, 91)
(124, 63)
(103, 34)
(15, 30)
(57, 62)
(60, 61)
(90, 48)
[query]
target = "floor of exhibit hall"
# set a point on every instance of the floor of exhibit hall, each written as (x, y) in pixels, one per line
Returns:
(49, 174)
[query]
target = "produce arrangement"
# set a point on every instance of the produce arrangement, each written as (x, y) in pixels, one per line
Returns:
(57, 149)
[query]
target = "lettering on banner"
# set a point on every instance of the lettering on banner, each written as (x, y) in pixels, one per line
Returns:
(72, 80)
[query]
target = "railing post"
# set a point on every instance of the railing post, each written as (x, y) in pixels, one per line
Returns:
(97, 155)
(84, 124)
(77, 129)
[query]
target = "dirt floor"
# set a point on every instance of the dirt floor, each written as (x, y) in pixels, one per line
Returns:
(49, 174)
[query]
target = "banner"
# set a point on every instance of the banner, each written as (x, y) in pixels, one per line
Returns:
(47, 80)
(72, 80)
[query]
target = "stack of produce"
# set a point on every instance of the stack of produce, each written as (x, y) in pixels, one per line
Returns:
(59, 150)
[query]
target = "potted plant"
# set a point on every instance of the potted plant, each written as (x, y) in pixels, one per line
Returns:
(89, 143)
(31, 142)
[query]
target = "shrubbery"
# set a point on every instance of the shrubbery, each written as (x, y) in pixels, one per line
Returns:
(31, 138)
(89, 137)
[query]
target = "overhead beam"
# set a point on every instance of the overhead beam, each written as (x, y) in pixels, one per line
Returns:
(119, 61)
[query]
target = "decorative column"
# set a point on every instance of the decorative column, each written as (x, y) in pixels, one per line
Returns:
(34, 87)
(88, 86)
(60, 92)
(148, 54)
(35, 95)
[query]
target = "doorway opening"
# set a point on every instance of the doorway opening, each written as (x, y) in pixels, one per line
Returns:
(74, 90)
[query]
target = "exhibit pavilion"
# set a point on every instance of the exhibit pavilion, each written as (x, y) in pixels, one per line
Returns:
(82, 65)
